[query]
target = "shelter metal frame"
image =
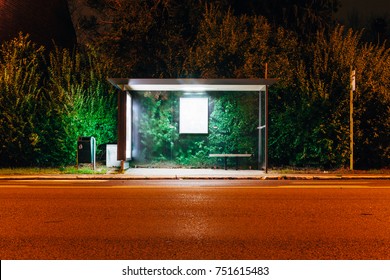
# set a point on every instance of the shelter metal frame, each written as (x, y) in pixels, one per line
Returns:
(191, 85)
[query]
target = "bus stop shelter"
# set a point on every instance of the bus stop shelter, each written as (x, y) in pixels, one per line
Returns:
(129, 85)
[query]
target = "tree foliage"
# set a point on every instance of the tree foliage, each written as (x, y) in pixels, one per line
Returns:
(47, 104)
(47, 101)
(310, 104)
(229, 46)
(318, 104)
(22, 100)
(146, 38)
(157, 127)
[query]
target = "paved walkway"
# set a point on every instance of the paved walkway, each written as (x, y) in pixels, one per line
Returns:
(163, 173)
(178, 173)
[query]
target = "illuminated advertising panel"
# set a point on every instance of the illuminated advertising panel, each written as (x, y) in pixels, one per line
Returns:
(194, 115)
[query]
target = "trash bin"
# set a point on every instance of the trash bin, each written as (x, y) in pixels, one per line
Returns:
(86, 150)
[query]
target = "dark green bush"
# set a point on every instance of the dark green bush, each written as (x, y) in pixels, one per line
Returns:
(45, 104)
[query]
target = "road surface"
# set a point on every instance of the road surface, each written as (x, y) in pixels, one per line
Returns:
(206, 219)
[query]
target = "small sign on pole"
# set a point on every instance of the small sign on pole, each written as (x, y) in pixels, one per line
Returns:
(353, 80)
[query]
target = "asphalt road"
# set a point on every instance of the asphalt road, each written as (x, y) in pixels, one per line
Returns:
(207, 219)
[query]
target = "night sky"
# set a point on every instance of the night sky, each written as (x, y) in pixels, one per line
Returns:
(365, 8)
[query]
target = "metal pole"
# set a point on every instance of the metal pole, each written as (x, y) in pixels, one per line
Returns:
(266, 121)
(259, 128)
(77, 153)
(94, 153)
(352, 88)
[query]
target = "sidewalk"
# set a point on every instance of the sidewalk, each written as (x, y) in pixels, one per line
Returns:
(198, 174)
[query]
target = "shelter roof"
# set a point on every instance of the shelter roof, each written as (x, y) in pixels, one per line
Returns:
(191, 85)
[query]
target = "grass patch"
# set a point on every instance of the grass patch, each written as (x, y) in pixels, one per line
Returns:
(340, 171)
(102, 169)
(29, 171)
(53, 171)
(83, 170)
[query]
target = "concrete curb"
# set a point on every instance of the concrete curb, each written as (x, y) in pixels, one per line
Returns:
(195, 177)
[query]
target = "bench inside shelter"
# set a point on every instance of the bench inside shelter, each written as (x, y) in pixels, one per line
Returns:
(236, 156)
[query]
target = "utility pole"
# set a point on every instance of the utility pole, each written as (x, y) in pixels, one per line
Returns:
(352, 89)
